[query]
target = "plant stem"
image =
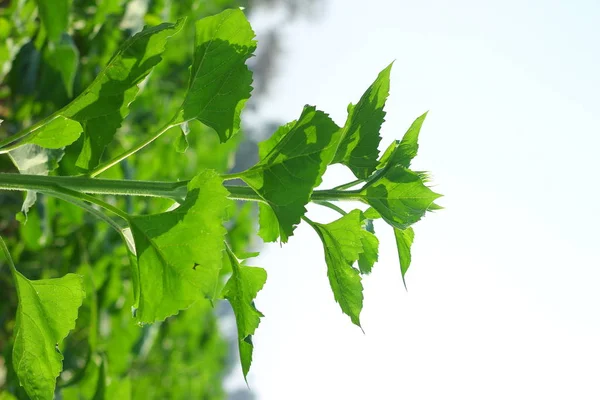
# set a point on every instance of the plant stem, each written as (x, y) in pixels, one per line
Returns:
(171, 190)
(40, 183)
(103, 167)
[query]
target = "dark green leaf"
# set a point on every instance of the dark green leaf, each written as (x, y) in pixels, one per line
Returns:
(220, 81)
(360, 137)
(241, 290)
(179, 251)
(286, 175)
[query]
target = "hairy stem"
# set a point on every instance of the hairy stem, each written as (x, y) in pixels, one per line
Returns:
(171, 190)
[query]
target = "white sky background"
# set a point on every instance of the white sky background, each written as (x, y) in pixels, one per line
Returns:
(504, 286)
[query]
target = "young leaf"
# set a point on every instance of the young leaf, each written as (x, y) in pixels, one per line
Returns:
(286, 175)
(179, 252)
(220, 81)
(404, 240)
(399, 196)
(241, 290)
(46, 312)
(343, 244)
(402, 152)
(360, 135)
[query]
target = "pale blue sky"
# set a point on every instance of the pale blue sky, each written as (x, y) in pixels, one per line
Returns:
(503, 291)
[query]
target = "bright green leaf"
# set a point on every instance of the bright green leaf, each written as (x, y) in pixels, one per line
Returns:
(360, 137)
(179, 252)
(46, 312)
(399, 196)
(241, 290)
(343, 244)
(220, 82)
(404, 240)
(103, 105)
(55, 16)
(370, 245)
(286, 175)
(268, 225)
(402, 152)
(56, 133)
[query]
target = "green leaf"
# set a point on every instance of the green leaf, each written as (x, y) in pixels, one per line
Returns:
(103, 105)
(343, 244)
(268, 225)
(241, 290)
(287, 174)
(360, 135)
(56, 133)
(402, 152)
(179, 252)
(46, 312)
(399, 196)
(60, 60)
(370, 245)
(220, 81)
(404, 240)
(55, 16)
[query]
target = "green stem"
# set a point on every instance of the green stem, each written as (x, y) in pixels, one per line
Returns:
(103, 167)
(348, 185)
(40, 183)
(171, 190)
(332, 206)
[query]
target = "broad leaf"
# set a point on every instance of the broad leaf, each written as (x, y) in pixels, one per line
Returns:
(46, 312)
(60, 66)
(343, 244)
(179, 252)
(220, 81)
(404, 240)
(360, 135)
(399, 196)
(287, 174)
(103, 105)
(55, 16)
(241, 290)
(402, 152)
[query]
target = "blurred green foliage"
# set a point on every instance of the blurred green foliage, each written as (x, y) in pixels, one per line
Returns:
(108, 356)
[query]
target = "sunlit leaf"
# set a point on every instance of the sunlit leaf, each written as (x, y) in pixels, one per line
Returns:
(404, 241)
(286, 175)
(46, 312)
(179, 252)
(360, 135)
(399, 196)
(220, 81)
(241, 290)
(343, 244)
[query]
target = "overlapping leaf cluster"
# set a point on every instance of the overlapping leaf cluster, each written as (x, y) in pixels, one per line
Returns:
(181, 255)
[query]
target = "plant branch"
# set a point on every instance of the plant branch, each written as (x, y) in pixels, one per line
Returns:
(171, 190)
(103, 167)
